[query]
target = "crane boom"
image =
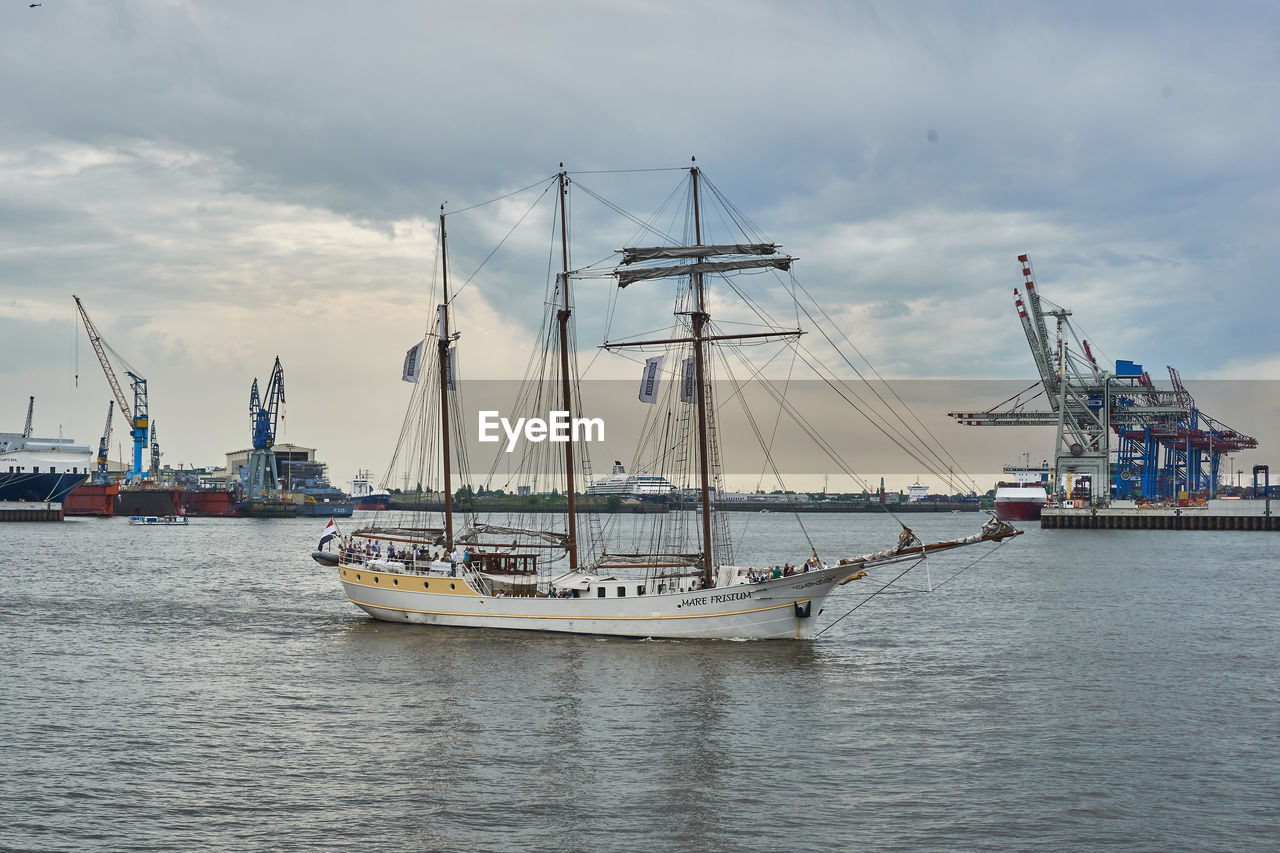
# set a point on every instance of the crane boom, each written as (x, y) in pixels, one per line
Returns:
(265, 410)
(31, 407)
(1042, 366)
(1033, 302)
(96, 340)
(261, 477)
(137, 417)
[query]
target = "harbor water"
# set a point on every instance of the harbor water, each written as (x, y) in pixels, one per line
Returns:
(209, 687)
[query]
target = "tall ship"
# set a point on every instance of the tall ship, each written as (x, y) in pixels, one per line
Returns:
(1023, 492)
(681, 577)
(40, 470)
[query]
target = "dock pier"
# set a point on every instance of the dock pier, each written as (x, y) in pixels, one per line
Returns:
(22, 511)
(1235, 515)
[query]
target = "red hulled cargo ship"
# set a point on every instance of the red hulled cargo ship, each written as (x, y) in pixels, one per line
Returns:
(1022, 496)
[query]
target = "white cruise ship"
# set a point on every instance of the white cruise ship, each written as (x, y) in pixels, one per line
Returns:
(632, 485)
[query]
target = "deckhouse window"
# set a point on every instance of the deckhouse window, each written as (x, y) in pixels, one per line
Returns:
(622, 592)
(600, 592)
(639, 590)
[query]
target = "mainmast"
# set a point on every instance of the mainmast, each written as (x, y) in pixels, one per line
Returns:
(699, 321)
(442, 346)
(565, 390)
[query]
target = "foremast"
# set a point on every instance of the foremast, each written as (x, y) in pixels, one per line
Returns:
(442, 349)
(566, 398)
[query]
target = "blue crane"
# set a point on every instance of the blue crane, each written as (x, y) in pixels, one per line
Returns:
(264, 411)
(262, 479)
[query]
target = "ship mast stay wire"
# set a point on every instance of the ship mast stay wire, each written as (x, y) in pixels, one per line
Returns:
(863, 407)
(747, 227)
(882, 589)
(764, 447)
(869, 597)
(921, 446)
(924, 445)
(407, 424)
(518, 223)
(549, 181)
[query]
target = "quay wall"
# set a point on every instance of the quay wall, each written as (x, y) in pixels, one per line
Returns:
(1171, 518)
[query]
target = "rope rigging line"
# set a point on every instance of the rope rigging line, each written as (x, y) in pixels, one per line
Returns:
(876, 373)
(999, 545)
(920, 447)
(923, 446)
(769, 461)
(936, 587)
(501, 197)
(495, 249)
(869, 597)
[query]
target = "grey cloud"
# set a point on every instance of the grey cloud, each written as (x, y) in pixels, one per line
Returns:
(1128, 147)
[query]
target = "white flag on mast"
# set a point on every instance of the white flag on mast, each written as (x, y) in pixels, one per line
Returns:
(688, 381)
(412, 363)
(649, 379)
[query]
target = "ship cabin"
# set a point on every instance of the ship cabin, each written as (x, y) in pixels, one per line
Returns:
(505, 563)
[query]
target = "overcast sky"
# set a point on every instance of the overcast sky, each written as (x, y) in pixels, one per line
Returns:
(226, 182)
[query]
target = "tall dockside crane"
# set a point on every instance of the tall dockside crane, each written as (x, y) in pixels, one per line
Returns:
(137, 418)
(31, 408)
(100, 476)
(262, 479)
(1118, 435)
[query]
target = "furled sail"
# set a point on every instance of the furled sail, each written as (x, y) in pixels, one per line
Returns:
(655, 253)
(668, 560)
(430, 535)
(494, 530)
(626, 277)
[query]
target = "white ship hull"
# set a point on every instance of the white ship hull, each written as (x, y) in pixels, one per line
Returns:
(786, 608)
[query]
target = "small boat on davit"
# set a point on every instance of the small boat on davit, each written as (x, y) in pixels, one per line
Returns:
(562, 572)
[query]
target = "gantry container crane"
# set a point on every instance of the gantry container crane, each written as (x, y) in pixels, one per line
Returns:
(137, 418)
(1089, 406)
